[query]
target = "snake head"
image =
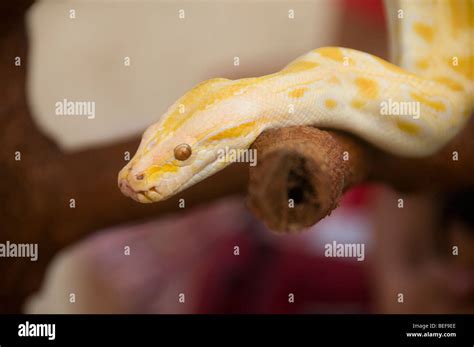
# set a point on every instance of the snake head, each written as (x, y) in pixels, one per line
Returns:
(159, 169)
(186, 145)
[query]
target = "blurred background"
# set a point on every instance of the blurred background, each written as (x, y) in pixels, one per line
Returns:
(134, 59)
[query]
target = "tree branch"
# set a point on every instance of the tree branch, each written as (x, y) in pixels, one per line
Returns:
(301, 175)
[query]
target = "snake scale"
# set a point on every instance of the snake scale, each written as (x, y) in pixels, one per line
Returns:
(431, 45)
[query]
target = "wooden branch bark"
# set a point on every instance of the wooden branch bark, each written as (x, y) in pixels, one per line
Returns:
(301, 175)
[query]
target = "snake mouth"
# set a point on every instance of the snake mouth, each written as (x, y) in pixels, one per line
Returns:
(139, 196)
(150, 195)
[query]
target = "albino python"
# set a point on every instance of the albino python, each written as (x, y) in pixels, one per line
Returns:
(432, 44)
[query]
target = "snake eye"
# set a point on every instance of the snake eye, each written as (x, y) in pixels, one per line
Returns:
(182, 151)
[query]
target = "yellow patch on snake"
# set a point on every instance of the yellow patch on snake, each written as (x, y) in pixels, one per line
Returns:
(367, 88)
(330, 103)
(333, 53)
(407, 127)
(422, 64)
(450, 83)
(299, 66)
(230, 90)
(424, 31)
(297, 93)
(188, 105)
(154, 171)
(357, 103)
(436, 105)
(238, 131)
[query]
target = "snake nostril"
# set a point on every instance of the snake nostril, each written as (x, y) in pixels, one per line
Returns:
(125, 188)
(123, 184)
(139, 177)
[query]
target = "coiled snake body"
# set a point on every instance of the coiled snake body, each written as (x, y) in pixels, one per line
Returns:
(432, 44)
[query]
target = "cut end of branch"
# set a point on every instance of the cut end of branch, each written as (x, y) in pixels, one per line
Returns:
(301, 175)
